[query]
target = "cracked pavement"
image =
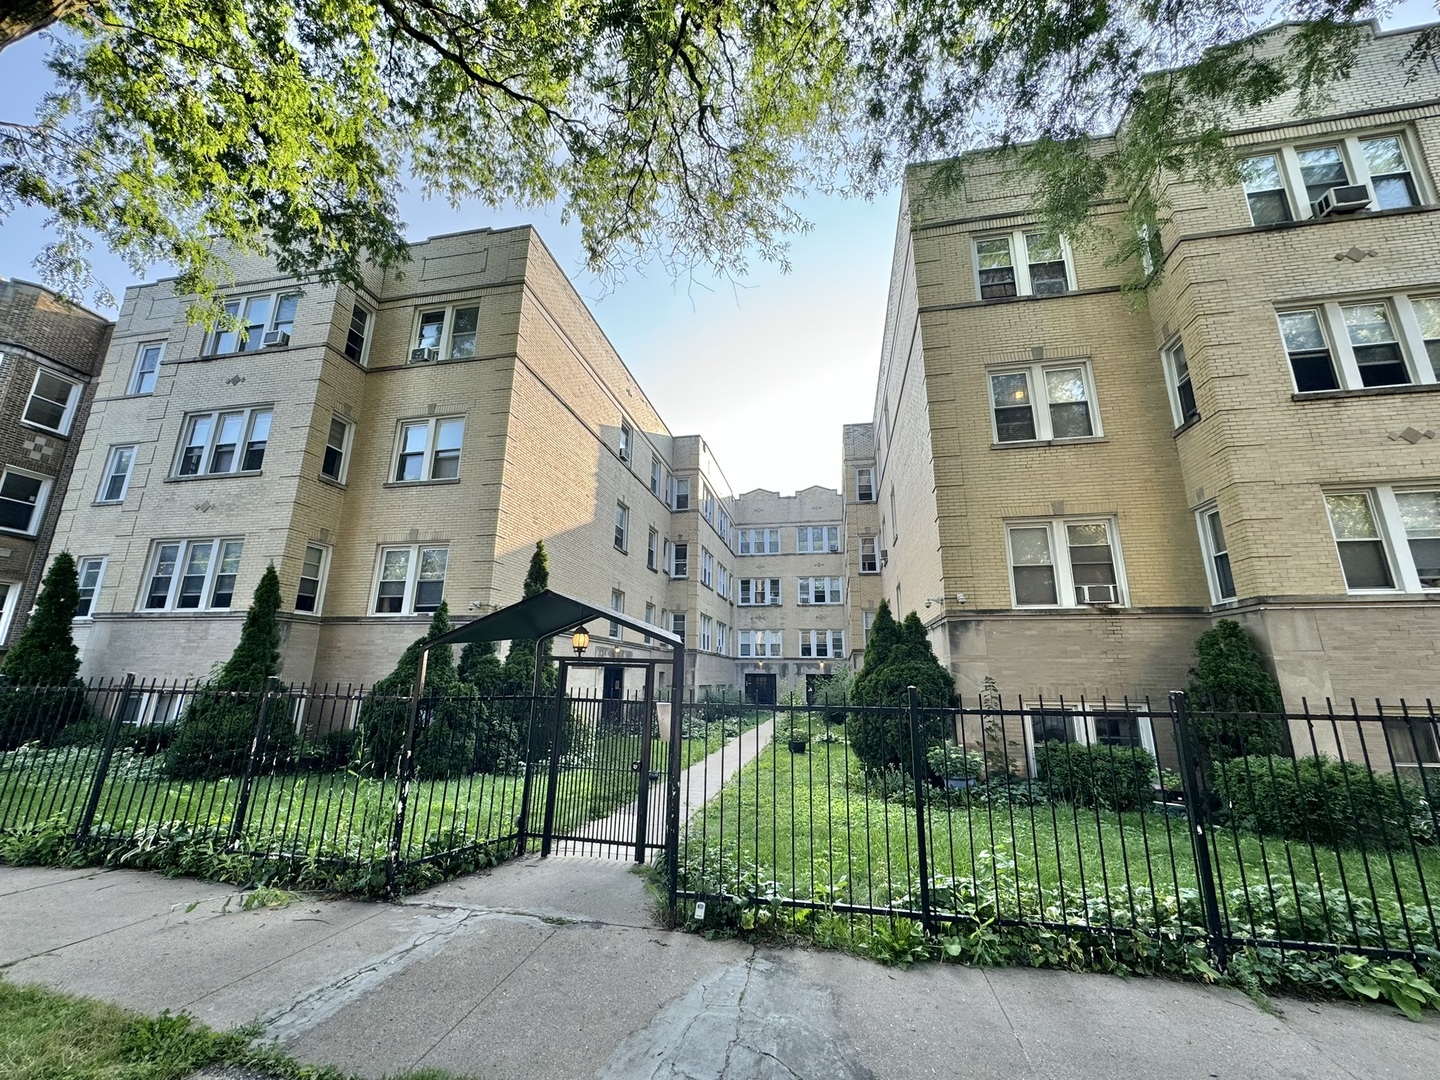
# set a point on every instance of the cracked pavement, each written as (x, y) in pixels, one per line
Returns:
(557, 969)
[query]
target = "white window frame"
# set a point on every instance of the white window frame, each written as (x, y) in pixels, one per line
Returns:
(722, 638)
(757, 542)
(1064, 574)
(657, 476)
(679, 486)
(248, 416)
(1039, 396)
(1172, 382)
(766, 588)
(817, 539)
(811, 641)
(446, 349)
(622, 528)
(867, 618)
(363, 360)
(707, 625)
(1356, 167)
(1207, 546)
(82, 566)
(138, 373)
(42, 499)
(427, 455)
(865, 481)
(873, 543)
(676, 564)
(8, 603)
(617, 605)
(110, 473)
(67, 415)
(412, 576)
(707, 568)
(833, 586)
(320, 580)
(182, 558)
(1331, 318)
(627, 442)
(1020, 263)
(677, 625)
(241, 304)
(652, 550)
(1082, 727)
(722, 581)
(346, 443)
(763, 644)
(1385, 510)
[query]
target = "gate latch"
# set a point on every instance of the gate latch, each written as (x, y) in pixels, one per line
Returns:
(634, 766)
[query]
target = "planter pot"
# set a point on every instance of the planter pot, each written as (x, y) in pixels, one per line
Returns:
(799, 746)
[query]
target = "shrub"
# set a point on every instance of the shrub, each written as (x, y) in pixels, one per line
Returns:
(41, 713)
(1320, 799)
(1232, 697)
(1109, 777)
(896, 658)
(43, 665)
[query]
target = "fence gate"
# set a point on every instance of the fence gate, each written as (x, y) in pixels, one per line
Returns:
(604, 762)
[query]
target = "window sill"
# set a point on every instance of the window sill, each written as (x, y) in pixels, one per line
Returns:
(163, 613)
(421, 483)
(1186, 426)
(18, 532)
(263, 350)
(1365, 392)
(1030, 444)
(107, 502)
(340, 484)
(212, 476)
(56, 432)
(1078, 609)
(392, 615)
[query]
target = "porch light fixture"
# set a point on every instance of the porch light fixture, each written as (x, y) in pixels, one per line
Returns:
(580, 641)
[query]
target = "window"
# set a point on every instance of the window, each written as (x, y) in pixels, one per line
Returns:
(1063, 412)
(22, 501)
(219, 443)
(1084, 572)
(429, 450)
(146, 369)
(9, 598)
(256, 316)
(649, 619)
(757, 541)
(52, 402)
(1177, 381)
(116, 479)
(357, 335)
(707, 568)
(312, 574)
(1105, 727)
(865, 485)
(1413, 740)
(1375, 343)
(445, 333)
(1022, 263)
(707, 502)
(337, 450)
(411, 580)
(760, 643)
(869, 554)
(652, 551)
(817, 539)
(867, 618)
(617, 603)
(755, 592)
(1284, 184)
(90, 572)
(677, 625)
(193, 575)
(722, 639)
(894, 519)
(1217, 556)
(722, 582)
(1387, 538)
(625, 439)
(723, 526)
(622, 527)
(820, 590)
(681, 496)
(680, 561)
(657, 474)
(822, 643)
(707, 626)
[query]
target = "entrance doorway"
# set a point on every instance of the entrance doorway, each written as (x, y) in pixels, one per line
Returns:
(760, 688)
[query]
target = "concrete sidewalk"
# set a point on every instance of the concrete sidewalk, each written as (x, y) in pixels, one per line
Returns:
(555, 969)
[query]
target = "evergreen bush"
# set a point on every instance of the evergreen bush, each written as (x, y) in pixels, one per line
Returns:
(898, 656)
(1232, 698)
(43, 693)
(1107, 777)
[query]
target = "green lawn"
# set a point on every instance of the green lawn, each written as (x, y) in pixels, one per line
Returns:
(809, 826)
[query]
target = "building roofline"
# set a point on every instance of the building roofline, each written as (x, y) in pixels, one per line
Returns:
(51, 292)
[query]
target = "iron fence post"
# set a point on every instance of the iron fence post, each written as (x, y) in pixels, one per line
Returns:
(107, 752)
(672, 795)
(526, 790)
(257, 741)
(917, 759)
(642, 805)
(404, 770)
(1197, 812)
(552, 788)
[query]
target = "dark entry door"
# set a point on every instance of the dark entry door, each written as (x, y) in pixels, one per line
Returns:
(760, 688)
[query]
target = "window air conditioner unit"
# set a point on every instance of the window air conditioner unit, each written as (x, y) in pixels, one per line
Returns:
(1342, 200)
(884, 556)
(1096, 594)
(420, 356)
(273, 338)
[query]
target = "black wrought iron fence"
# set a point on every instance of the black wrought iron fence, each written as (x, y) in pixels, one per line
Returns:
(1306, 831)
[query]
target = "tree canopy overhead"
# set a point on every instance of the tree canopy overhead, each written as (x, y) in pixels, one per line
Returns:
(672, 128)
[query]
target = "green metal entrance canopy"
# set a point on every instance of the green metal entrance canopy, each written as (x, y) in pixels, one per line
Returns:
(543, 615)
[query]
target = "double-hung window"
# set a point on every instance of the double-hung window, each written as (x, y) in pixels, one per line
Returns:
(89, 573)
(707, 502)
(626, 441)
(357, 335)
(760, 643)
(1022, 263)
(869, 554)
(677, 625)
(1063, 410)
(52, 402)
(680, 493)
(1285, 184)
(1097, 727)
(722, 581)
(337, 449)
(253, 322)
(446, 333)
(707, 630)
(219, 443)
(429, 449)
(822, 643)
(1217, 556)
(817, 539)
(707, 568)
(757, 541)
(1388, 538)
(1380, 342)
(657, 475)
(1064, 563)
(193, 575)
(865, 484)
(820, 590)
(680, 561)
(22, 500)
(116, 480)
(312, 579)
(1178, 382)
(411, 580)
(617, 603)
(757, 592)
(146, 369)
(652, 551)
(622, 527)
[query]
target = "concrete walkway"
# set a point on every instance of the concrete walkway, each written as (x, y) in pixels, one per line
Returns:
(555, 969)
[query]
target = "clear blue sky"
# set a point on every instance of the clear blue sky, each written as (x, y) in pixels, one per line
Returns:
(767, 369)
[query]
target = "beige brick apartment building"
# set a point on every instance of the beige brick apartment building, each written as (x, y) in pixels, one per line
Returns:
(50, 351)
(1089, 482)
